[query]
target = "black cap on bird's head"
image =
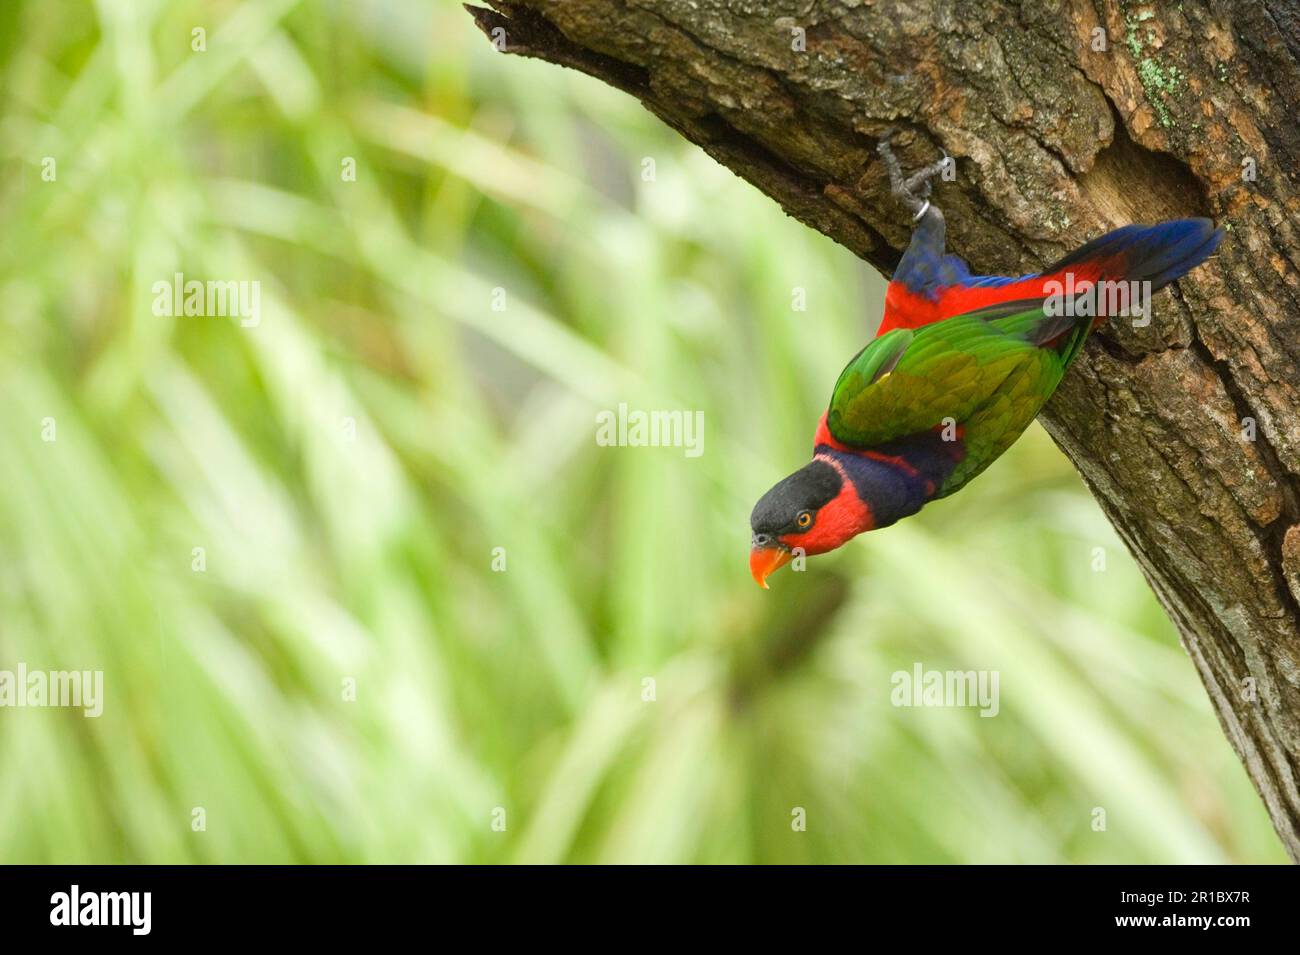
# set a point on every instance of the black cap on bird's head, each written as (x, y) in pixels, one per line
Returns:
(789, 508)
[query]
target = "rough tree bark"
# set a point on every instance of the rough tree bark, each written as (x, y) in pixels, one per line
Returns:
(1066, 118)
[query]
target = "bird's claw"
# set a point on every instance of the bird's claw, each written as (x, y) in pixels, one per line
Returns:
(914, 190)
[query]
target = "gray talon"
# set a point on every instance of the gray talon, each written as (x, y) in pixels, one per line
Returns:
(914, 190)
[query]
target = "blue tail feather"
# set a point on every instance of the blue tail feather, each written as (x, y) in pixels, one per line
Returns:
(1158, 254)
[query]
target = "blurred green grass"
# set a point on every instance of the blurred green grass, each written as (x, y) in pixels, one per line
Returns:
(331, 559)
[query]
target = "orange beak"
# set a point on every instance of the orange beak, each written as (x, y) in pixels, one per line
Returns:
(764, 560)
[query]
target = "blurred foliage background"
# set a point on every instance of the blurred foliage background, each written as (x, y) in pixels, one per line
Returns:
(349, 465)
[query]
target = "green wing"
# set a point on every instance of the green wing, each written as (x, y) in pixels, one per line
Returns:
(990, 372)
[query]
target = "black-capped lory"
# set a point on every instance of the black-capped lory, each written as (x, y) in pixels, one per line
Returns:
(959, 368)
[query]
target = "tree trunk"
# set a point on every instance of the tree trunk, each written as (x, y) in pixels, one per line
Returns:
(1066, 119)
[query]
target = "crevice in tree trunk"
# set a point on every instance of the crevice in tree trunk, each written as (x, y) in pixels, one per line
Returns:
(1170, 190)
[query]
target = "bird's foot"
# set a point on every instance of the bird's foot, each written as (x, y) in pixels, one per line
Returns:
(914, 190)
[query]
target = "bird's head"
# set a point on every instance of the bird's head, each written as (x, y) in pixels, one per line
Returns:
(814, 510)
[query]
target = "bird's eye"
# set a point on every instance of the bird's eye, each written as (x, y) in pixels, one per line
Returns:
(804, 519)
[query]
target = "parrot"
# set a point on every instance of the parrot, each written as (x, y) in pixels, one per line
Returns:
(960, 366)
